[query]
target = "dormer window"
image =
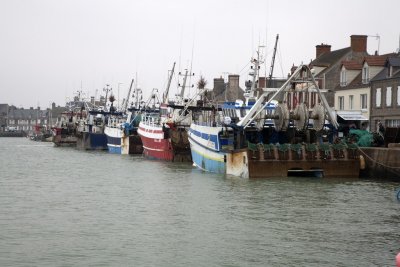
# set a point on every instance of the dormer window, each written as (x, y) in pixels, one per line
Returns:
(365, 74)
(390, 71)
(343, 78)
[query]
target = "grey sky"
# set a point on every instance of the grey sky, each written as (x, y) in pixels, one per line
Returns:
(49, 47)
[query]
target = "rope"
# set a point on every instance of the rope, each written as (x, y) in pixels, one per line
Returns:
(384, 165)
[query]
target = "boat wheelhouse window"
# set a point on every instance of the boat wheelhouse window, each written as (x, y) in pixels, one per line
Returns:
(164, 112)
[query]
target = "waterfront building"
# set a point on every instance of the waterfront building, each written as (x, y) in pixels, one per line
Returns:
(385, 95)
(352, 95)
(327, 65)
(21, 119)
(3, 116)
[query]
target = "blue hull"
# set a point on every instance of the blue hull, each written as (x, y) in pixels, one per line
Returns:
(98, 141)
(207, 164)
(92, 141)
(114, 149)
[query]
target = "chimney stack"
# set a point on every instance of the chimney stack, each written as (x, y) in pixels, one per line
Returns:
(322, 49)
(233, 80)
(359, 43)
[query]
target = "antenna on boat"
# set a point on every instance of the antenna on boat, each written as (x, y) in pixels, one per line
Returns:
(182, 93)
(191, 62)
(165, 97)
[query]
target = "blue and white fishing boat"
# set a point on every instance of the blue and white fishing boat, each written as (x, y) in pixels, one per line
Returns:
(211, 135)
(121, 128)
(266, 137)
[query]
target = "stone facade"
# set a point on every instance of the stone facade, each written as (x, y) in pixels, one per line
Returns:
(327, 65)
(229, 91)
(385, 95)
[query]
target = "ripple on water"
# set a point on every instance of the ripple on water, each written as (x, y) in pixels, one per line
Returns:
(65, 207)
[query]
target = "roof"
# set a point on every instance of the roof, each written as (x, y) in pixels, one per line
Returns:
(27, 114)
(376, 60)
(394, 61)
(352, 65)
(328, 59)
(354, 84)
(381, 75)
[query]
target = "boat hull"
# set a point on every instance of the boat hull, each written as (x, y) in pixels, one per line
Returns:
(64, 137)
(92, 141)
(204, 149)
(155, 145)
(119, 143)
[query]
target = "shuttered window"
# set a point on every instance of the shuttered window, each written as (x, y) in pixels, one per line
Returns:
(378, 97)
(388, 96)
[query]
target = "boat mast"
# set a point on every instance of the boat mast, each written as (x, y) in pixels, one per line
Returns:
(271, 70)
(106, 89)
(256, 66)
(127, 98)
(184, 84)
(165, 98)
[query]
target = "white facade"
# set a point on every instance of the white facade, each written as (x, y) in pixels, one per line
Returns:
(357, 95)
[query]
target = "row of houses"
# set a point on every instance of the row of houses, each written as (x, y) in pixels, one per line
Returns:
(363, 87)
(13, 118)
(360, 87)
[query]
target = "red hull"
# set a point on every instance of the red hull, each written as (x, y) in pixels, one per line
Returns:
(157, 148)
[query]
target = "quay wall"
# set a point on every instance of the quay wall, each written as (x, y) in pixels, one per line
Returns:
(381, 162)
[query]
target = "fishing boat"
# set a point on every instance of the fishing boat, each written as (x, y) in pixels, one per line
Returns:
(121, 127)
(164, 133)
(251, 146)
(90, 131)
(41, 133)
(64, 132)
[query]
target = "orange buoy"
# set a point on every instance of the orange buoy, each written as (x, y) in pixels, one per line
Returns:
(398, 260)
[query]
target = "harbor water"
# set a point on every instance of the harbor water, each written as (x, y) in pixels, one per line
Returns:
(67, 207)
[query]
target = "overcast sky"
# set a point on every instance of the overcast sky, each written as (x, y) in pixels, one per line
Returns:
(50, 49)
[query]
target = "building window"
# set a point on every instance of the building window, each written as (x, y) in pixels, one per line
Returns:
(392, 123)
(343, 78)
(378, 97)
(365, 74)
(351, 102)
(341, 102)
(398, 95)
(389, 96)
(363, 100)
